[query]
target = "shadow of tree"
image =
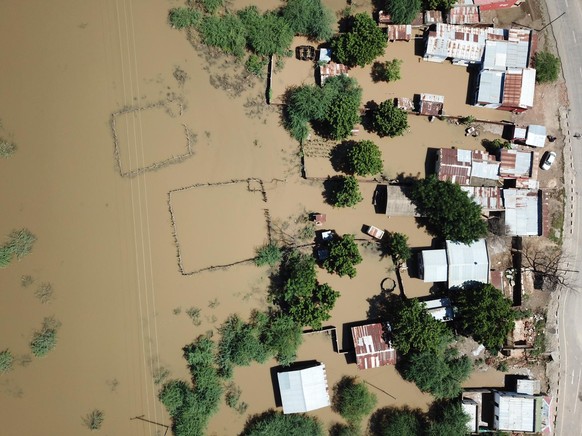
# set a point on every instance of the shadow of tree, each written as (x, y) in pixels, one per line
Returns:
(339, 157)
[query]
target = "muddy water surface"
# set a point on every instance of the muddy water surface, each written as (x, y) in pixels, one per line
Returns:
(105, 241)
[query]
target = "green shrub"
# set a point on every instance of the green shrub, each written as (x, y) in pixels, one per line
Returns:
(388, 120)
(173, 395)
(274, 423)
(256, 65)
(7, 148)
(268, 254)
(266, 34)
(310, 18)
(344, 191)
(94, 419)
(43, 341)
(403, 11)
(184, 17)
(352, 400)
(547, 67)
(210, 6)
(364, 158)
(343, 256)
(388, 71)
(6, 361)
(396, 246)
(5, 256)
(226, 32)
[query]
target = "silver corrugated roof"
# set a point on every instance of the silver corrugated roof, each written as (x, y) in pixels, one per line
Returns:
(434, 264)
(467, 262)
(490, 87)
(522, 212)
(500, 55)
(514, 412)
(303, 390)
(536, 136)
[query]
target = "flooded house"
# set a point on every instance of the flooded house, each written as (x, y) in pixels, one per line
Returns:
(464, 14)
(303, 389)
(467, 167)
(399, 32)
(372, 346)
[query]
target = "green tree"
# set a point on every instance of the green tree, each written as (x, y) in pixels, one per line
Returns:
(282, 337)
(313, 310)
(392, 421)
(173, 395)
(388, 71)
(310, 18)
(45, 339)
(416, 330)
(396, 246)
(184, 17)
(450, 213)
(438, 373)
(6, 361)
(364, 158)
(268, 254)
(210, 6)
(266, 34)
(343, 191)
(226, 32)
(442, 5)
(388, 120)
(363, 43)
(403, 11)
(547, 67)
(272, 423)
(484, 313)
(256, 64)
(450, 420)
(342, 116)
(352, 400)
(343, 256)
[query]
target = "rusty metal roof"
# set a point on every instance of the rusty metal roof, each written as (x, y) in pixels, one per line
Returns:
(489, 198)
(432, 17)
(515, 164)
(464, 14)
(431, 104)
(459, 166)
(331, 69)
(512, 88)
(372, 351)
(399, 32)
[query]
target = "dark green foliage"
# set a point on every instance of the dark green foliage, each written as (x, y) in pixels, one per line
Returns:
(19, 244)
(210, 6)
(45, 339)
(449, 419)
(493, 146)
(415, 330)
(303, 298)
(344, 430)
(364, 158)
(449, 211)
(335, 107)
(240, 344)
(388, 120)
(267, 34)
(441, 5)
(184, 17)
(6, 361)
(403, 11)
(268, 254)
(363, 43)
(392, 421)
(256, 65)
(396, 246)
(226, 32)
(484, 313)
(310, 18)
(469, 119)
(274, 423)
(282, 337)
(352, 400)
(547, 67)
(343, 256)
(388, 71)
(343, 191)
(438, 373)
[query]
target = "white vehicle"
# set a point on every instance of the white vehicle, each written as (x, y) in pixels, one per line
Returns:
(547, 160)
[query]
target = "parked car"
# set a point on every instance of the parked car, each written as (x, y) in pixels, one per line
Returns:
(547, 160)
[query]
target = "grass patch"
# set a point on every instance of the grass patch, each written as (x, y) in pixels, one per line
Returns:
(44, 293)
(26, 281)
(19, 244)
(194, 314)
(539, 346)
(7, 148)
(45, 339)
(6, 361)
(160, 375)
(214, 303)
(232, 398)
(93, 420)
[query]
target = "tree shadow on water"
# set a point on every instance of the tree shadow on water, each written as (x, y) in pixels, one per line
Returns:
(339, 157)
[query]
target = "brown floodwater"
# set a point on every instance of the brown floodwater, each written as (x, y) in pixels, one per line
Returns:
(106, 243)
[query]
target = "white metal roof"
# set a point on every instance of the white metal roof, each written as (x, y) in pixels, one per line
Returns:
(519, 132)
(514, 412)
(303, 390)
(467, 262)
(500, 55)
(470, 409)
(522, 212)
(434, 264)
(325, 54)
(528, 87)
(536, 135)
(485, 170)
(530, 387)
(490, 87)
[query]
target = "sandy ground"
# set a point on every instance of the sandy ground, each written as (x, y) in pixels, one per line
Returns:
(106, 242)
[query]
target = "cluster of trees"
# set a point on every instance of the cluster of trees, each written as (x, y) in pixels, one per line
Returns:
(450, 213)
(353, 401)
(388, 120)
(364, 158)
(342, 191)
(547, 67)
(333, 108)
(272, 423)
(302, 297)
(361, 44)
(388, 71)
(343, 256)
(19, 244)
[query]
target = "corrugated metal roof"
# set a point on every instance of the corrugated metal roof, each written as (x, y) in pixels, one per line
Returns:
(516, 164)
(432, 17)
(303, 390)
(528, 87)
(454, 165)
(467, 262)
(490, 87)
(439, 308)
(398, 202)
(331, 69)
(489, 198)
(522, 212)
(485, 169)
(431, 104)
(512, 88)
(530, 387)
(500, 55)
(519, 133)
(434, 266)
(399, 32)
(536, 135)
(470, 409)
(515, 412)
(457, 42)
(371, 349)
(464, 14)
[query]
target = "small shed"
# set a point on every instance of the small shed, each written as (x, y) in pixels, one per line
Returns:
(398, 201)
(527, 386)
(431, 104)
(519, 134)
(303, 390)
(405, 103)
(372, 347)
(432, 266)
(471, 408)
(399, 32)
(536, 136)
(384, 18)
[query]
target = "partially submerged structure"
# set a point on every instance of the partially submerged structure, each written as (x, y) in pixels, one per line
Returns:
(440, 309)
(511, 90)
(304, 389)
(523, 212)
(467, 167)
(431, 104)
(398, 201)
(399, 32)
(464, 14)
(331, 69)
(372, 346)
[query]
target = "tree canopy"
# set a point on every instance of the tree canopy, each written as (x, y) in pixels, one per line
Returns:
(449, 419)
(484, 313)
(352, 400)
(266, 34)
(388, 120)
(392, 421)
(343, 256)
(343, 191)
(310, 18)
(403, 11)
(441, 5)
(449, 211)
(364, 158)
(438, 373)
(225, 32)
(396, 246)
(363, 43)
(388, 71)
(416, 330)
(547, 67)
(268, 254)
(184, 17)
(272, 423)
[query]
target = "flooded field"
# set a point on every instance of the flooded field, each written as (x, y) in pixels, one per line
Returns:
(105, 241)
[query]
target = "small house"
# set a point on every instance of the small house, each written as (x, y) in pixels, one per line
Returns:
(331, 69)
(431, 104)
(399, 32)
(523, 212)
(432, 266)
(304, 389)
(467, 167)
(433, 17)
(536, 136)
(372, 346)
(511, 90)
